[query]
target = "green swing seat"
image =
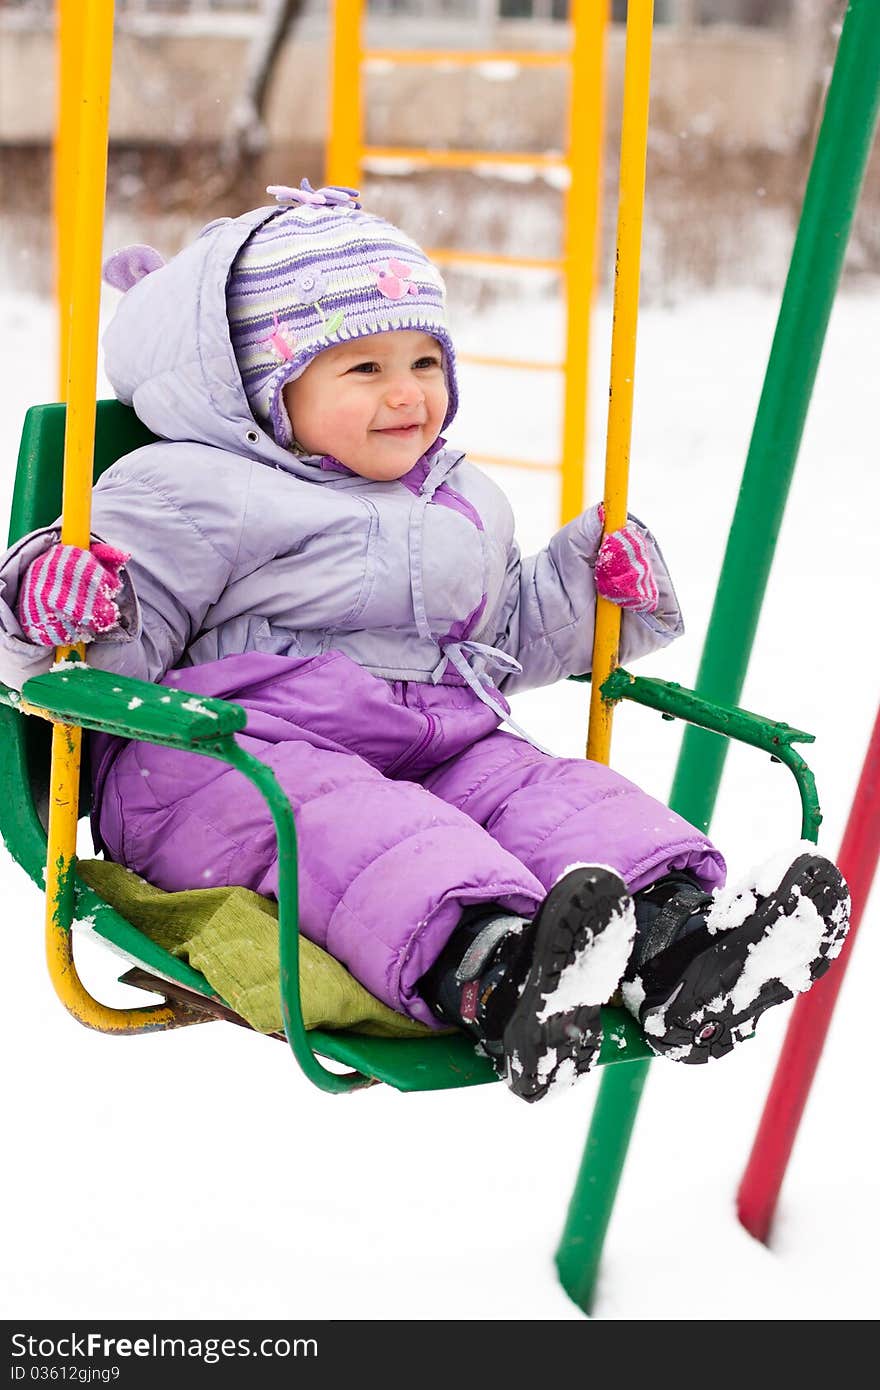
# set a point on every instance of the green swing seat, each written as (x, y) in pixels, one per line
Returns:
(98, 700)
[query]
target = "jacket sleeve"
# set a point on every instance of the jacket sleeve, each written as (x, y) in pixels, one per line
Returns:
(547, 615)
(175, 574)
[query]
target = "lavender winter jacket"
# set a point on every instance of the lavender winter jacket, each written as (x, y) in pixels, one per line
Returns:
(240, 546)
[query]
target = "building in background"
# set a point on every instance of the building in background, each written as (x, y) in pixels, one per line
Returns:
(736, 88)
(760, 14)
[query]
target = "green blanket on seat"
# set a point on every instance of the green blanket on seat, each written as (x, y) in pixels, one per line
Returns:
(231, 936)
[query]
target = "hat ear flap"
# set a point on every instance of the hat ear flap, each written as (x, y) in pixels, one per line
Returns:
(126, 267)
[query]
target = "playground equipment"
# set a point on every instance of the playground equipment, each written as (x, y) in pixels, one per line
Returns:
(75, 697)
(347, 155)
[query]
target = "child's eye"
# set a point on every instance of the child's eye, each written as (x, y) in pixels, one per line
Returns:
(424, 362)
(366, 367)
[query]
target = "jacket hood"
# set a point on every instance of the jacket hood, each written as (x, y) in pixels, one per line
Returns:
(168, 353)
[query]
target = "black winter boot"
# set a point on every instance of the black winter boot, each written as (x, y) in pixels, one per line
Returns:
(706, 966)
(530, 991)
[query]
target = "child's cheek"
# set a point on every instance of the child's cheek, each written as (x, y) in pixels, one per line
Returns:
(350, 417)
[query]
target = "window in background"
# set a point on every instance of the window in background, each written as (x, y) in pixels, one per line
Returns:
(756, 13)
(430, 9)
(664, 10)
(533, 9)
(759, 14)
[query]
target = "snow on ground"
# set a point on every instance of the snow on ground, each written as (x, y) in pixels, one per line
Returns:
(197, 1174)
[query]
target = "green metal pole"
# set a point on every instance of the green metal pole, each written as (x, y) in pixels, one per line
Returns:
(592, 1201)
(830, 200)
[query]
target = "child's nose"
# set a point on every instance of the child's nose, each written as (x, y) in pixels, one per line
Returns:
(405, 390)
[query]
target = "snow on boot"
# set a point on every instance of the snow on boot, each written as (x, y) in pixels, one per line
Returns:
(530, 991)
(700, 991)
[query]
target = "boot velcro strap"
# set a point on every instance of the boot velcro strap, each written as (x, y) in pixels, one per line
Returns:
(484, 944)
(669, 921)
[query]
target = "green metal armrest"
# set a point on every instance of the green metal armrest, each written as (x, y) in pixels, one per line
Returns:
(75, 693)
(772, 736)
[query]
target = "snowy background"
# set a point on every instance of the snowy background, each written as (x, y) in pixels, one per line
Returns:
(196, 1174)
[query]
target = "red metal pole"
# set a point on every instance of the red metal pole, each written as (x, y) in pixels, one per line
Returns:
(802, 1048)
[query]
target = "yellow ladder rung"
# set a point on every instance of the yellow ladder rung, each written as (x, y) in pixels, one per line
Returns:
(453, 257)
(463, 159)
(534, 465)
(523, 363)
(463, 59)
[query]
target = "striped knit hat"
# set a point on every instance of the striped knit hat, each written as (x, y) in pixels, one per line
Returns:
(321, 272)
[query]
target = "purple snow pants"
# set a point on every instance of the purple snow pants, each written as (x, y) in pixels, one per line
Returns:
(410, 805)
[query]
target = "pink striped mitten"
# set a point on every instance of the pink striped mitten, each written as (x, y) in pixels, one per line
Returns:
(66, 595)
(623, 570)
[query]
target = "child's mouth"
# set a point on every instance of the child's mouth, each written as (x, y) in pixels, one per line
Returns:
(400, 431)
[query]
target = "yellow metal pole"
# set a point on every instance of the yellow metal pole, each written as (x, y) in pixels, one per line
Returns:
(90, 53)
(583, 204)
(68, 66)
(631, 202)
(343, 161)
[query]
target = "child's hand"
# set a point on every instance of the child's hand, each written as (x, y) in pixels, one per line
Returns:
(623, 569)
(67, 594)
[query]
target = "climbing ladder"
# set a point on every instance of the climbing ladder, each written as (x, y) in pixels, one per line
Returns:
(580, 163)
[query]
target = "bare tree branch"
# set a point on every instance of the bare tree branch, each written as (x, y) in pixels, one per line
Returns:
(247, 134)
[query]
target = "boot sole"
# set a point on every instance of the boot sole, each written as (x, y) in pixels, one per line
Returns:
(543, 1048)
(716, 1004)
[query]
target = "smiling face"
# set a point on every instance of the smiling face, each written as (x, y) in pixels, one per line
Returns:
(376, 404)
